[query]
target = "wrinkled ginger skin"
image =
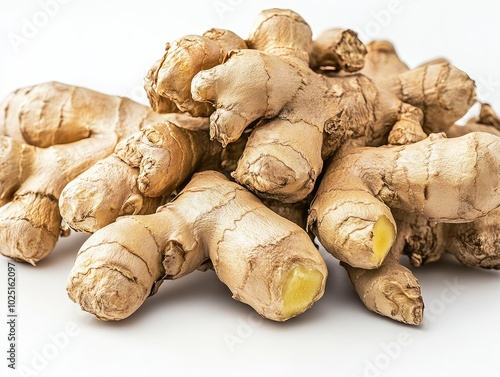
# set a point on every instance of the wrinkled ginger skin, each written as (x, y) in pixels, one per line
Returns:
(477, 243)
(15, 166)
(382, 61)
(360, 186)
(293, 108)
(68, 129)
(474, 244)
(145, 169)
(442, 91)
(424, 241)
(168, 82)
(53, 113)
(390, 290)
(262, 258)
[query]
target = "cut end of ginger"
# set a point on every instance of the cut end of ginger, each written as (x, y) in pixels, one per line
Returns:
(384, 235)
(302, 287)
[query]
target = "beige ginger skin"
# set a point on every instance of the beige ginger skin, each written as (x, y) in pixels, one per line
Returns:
(70, 129)
(144, 170)
(350, 213)
(309, 109)
(266, 261)
(474, 244)
(67, 129)
(296, 109)
(392, 290)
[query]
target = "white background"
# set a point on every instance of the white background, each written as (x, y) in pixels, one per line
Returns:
(185, 330)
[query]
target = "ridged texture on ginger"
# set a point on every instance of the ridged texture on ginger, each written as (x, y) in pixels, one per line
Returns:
(145, 170)
(359, 186)
(254, 251)
(53, 132)
(271, 87)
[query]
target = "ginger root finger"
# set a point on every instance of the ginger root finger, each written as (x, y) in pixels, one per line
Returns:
(143, 172)
(102, 193)
(158, 103)
(30, 224)
(238, 101)
(390, 290)
(42, 115)
(444, 180)
(278, 162)
(70, 129)
(169, 80)
(353, 225)
(281, 32)
(15, 166)
(53, 113)
(443, 91)
(266, 261)
(166, 153)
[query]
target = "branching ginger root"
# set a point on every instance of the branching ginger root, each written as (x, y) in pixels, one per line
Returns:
(392, 290)
(30, 220)
(295, 109)
(266, 261)
(305, 101)
(350, 213)
(52, 133)
(366, 114)
(475, 243)
(145, 169)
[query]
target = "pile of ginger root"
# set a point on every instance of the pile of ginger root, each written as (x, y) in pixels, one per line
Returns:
(252, 150)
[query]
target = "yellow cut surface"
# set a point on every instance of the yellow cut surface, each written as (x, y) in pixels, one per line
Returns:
(384, 235)
(301, 286)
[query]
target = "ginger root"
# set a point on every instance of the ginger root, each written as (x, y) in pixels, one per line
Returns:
(295, 109)
(359, 186)
(67, 129)
(302, 123)
(266, 261)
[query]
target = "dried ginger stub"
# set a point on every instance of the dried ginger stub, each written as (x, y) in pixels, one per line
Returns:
(266, 261)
